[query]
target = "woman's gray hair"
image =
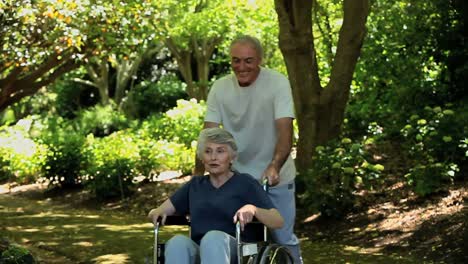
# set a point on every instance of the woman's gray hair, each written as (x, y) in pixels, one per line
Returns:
(249, 40)
(218, 136)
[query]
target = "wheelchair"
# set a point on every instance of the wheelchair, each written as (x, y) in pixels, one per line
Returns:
(262, 251)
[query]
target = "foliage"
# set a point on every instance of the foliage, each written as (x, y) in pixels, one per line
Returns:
(149, 97)
(71, 96)
(15, 254)
(181, 124)
(430, 178)
(65, 158)
(21, 158)
(402, 67)
(434, 149)
(163, 156)
(163, 142)
(39, 41)
(100, 120)
(112, 160)
(339, 169)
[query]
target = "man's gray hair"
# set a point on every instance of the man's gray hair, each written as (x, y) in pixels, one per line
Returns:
(218, 136)
(249, 40)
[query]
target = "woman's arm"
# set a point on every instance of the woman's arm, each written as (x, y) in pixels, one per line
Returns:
(269, 217)
(165, 209)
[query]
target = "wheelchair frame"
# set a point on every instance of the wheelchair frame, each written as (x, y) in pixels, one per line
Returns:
(257, 252)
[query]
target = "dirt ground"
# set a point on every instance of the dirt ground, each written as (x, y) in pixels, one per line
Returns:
(395, 221)
(392, 221)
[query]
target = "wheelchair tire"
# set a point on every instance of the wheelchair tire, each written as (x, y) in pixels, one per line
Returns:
(275, 254)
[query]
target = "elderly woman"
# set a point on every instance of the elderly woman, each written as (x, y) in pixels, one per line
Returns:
(215, 203)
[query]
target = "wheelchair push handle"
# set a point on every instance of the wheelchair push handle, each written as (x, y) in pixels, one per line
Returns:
(265, 184)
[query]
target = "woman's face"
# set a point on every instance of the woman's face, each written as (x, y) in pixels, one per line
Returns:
(217, 158)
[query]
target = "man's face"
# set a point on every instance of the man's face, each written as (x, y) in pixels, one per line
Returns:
(245, 63)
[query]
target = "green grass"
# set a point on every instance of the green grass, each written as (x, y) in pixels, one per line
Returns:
(77, 235)
(57, 233)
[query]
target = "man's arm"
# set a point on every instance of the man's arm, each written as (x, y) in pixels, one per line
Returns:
(284, 129)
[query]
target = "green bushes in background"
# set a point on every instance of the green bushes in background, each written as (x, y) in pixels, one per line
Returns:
(64, 158)
(78, 152)
(21, 158)
(112, 163)
(149, 98)
(339, 169)
(14, 254)
(100, 121)
(434, 145)
(181, 124)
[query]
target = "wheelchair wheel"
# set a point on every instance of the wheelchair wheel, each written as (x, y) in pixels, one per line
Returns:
(275, 254)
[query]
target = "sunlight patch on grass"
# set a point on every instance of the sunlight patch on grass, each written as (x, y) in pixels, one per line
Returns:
(112, 258)
(20, 228)
(48, 245)
(71, 226)
(90, 216)
(362, 250)
(43, 214)
(83, 244)
(116, 228)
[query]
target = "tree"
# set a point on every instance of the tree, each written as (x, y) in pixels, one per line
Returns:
(319, 109)
(126, 38)
(38, 43)
(193, 29)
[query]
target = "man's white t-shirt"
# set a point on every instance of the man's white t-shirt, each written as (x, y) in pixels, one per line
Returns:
(249, 113)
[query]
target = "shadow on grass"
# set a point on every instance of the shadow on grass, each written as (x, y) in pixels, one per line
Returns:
(78, 236)
(69, 235)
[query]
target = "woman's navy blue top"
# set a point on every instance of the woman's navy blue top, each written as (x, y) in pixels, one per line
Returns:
(213, 208)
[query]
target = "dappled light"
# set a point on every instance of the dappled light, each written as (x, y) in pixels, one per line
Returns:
(112, 258)
(329, 252)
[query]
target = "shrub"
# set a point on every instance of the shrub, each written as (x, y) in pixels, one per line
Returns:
(15, 254)
(163, 156)
(339, 168)
(432, 141)
(21, 158)
(181, 124)
(149, 97)
(112, 163)
(427, 179)
(65, 158)
(100, 121)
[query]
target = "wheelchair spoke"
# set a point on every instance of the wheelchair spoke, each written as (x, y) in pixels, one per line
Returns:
(275, 254)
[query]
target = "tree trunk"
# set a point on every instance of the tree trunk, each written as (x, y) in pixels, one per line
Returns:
(319, 111)
(184, 62)
(99, 73)
(203, 51)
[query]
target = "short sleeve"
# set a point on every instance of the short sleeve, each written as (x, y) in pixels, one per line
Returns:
(284, 103)
(180, 199)
(213, 113)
